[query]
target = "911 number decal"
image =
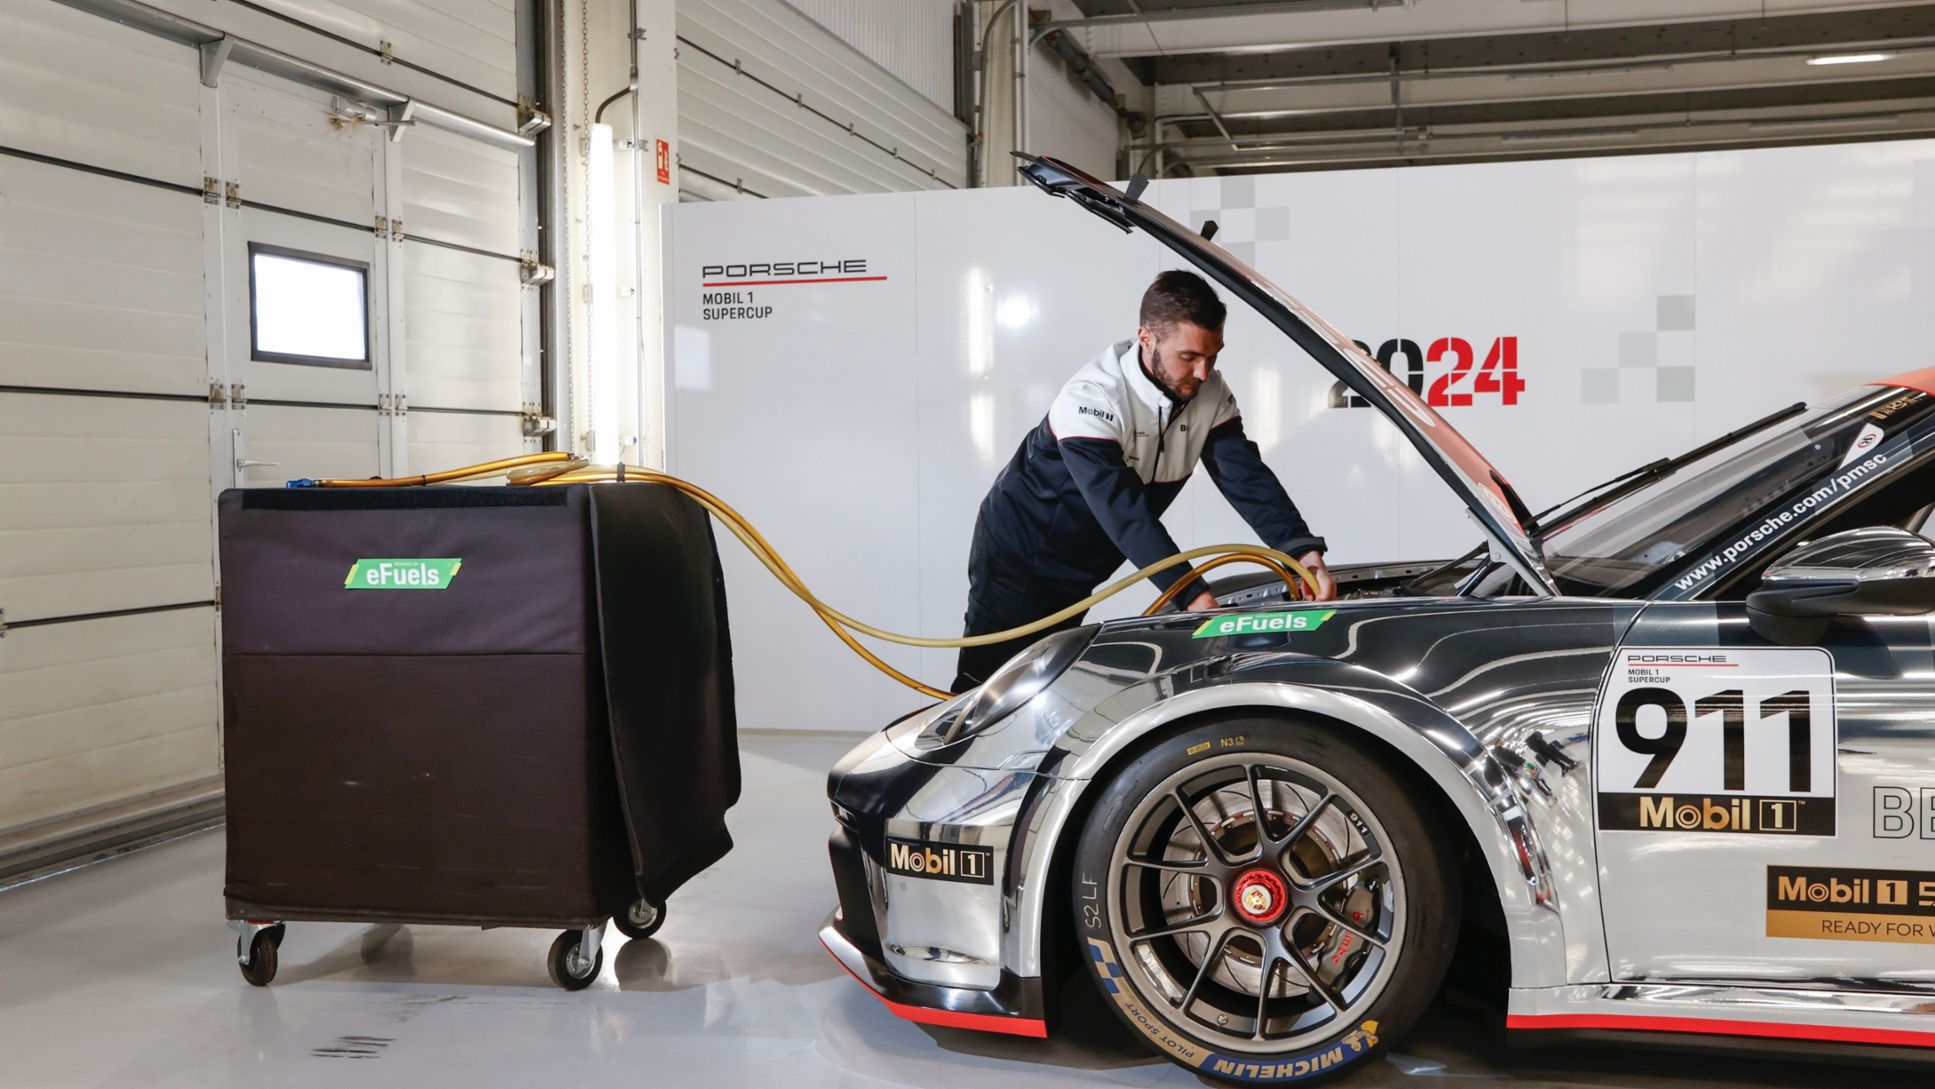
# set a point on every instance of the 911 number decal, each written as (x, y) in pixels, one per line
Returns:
(1704, 739)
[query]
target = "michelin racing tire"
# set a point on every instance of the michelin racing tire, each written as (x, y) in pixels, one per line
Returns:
(1289, 950)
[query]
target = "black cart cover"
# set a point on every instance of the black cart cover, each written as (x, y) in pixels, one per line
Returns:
(447, 704)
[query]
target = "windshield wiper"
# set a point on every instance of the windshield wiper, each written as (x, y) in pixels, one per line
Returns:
(1633, 480)
(1625, 484)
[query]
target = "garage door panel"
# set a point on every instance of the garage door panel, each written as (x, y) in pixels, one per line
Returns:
(96, 569)
(309, 442)
(463, 329)
(53, 210)
(54, 277)
(101, 283)
(289, 155)
(459, 190)
(82, 88)
(103, 505)
(50, 504)
(448, 440)
(100, 711)
(468, 40)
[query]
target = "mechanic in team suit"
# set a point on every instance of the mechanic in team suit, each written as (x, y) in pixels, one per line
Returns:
(1089, 485)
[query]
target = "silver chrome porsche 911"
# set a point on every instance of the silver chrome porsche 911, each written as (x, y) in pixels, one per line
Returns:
(1663, 756)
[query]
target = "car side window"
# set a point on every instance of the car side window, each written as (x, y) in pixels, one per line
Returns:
(1901, 501)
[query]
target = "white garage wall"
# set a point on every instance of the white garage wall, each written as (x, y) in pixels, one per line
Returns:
(913, 39)
(773, 103)
(1656, 301)
(1065, 119)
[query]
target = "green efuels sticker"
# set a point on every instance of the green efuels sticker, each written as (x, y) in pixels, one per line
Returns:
(401, 574)
(1262, 623)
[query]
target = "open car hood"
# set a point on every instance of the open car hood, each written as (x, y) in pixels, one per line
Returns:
(1492, 502)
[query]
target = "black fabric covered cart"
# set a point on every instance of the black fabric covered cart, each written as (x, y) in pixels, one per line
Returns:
(487, 706)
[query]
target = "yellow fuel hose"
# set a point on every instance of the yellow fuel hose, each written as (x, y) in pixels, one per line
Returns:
(500, 467)
(559, 468)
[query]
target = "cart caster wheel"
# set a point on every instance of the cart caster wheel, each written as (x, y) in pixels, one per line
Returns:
(262, 957)
(568, 968)
(642, 919)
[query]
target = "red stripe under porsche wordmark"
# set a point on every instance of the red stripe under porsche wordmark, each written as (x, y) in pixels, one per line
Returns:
(979, 1022)
(814, 280)
(1778, 1030)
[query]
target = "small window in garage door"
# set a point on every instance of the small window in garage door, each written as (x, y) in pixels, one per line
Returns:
(308, 309)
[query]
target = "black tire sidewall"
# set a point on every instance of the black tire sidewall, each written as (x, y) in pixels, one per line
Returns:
(557, 963)
(265, 957)
(1432, 900)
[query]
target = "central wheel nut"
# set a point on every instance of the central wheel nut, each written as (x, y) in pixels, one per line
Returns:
(1259, 896)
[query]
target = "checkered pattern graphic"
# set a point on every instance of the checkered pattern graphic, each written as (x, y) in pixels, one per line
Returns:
(1666, 351)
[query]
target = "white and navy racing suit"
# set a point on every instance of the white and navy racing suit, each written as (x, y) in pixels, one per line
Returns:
(1088, 487)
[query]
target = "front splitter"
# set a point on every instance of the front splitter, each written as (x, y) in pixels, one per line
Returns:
(944, 1007)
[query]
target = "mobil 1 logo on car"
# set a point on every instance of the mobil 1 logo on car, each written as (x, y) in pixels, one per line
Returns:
(1699, 740)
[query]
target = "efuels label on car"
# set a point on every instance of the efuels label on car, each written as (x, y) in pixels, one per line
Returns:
(1720, 740)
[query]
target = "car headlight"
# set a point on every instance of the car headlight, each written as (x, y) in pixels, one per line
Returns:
(1014, 684)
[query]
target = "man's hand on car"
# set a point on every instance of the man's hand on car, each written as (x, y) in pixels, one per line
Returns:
(1312, 560)
(1326, 584)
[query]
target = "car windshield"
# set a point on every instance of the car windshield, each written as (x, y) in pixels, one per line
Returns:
(1719, 509)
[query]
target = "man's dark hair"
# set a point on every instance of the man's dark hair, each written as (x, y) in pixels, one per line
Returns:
(1181, 296)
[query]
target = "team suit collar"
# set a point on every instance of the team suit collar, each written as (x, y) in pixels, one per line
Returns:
(1129, 358)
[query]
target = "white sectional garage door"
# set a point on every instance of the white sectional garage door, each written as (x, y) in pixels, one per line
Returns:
(104, 498)
(136, 384)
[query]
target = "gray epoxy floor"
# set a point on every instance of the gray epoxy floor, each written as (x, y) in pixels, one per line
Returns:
(123, 975)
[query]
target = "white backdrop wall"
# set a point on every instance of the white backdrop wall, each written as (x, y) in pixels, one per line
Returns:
(1655, 302)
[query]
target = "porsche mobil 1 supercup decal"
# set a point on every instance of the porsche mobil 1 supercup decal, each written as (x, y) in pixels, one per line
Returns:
(1352, 1045)
(1717, 740)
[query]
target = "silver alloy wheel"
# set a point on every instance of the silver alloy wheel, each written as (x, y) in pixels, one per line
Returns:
(1265, 935)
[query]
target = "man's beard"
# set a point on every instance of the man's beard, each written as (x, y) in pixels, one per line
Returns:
(1154, 371)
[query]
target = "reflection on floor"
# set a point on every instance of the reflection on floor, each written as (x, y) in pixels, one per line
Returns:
(123, 975)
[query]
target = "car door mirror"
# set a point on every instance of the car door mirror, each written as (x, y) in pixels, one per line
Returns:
(1876, 571)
